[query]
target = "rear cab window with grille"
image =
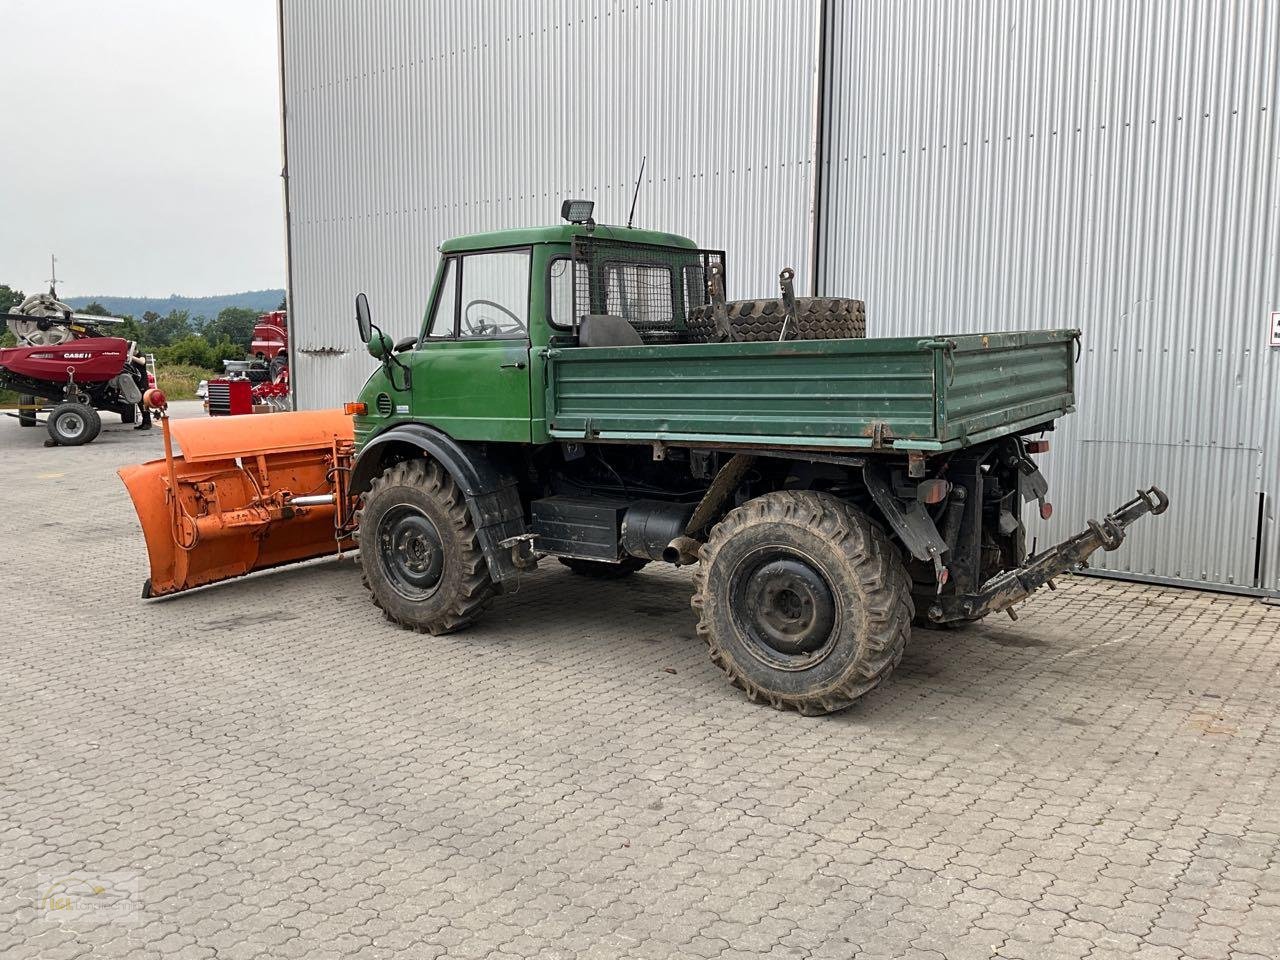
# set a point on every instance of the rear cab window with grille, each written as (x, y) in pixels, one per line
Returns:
(640, 293)
(652, 287)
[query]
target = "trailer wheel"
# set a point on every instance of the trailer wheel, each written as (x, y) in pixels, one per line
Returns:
(422, 561)
(26, 418)
(603, 569)
(817, 318)
(73, 424)
(129, 415)
(803, 601)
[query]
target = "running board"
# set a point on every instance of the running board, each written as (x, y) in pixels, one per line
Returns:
(1002, 591)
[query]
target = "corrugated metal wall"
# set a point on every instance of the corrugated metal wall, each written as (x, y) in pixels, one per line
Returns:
(987, 166)
(1102, 165)
(409, 123)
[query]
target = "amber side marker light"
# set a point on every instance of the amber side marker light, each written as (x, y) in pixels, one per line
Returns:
(355, 409)
(932, 491)
(1037, 446)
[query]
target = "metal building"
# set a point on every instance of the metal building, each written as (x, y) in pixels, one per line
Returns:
(961, 167)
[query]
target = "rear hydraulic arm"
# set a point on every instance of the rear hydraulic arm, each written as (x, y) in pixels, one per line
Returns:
(1005, 589)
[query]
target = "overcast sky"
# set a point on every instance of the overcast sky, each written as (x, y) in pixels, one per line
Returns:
(141, 144)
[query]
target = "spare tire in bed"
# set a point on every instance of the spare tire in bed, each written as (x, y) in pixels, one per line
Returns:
(817, 318)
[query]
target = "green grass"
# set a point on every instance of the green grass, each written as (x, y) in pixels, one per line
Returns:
(179, 381)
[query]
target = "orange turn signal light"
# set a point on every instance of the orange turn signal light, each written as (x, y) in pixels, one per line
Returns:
(355, 409)
(1037, 446)
(932, 491)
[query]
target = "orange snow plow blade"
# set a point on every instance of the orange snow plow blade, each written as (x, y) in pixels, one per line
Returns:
(247, 493)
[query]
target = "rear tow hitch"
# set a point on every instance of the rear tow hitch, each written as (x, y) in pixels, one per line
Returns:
(1005, 589)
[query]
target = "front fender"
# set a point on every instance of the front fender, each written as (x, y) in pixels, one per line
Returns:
(493, 497)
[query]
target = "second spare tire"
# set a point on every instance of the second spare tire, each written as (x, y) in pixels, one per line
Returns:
(817, 318)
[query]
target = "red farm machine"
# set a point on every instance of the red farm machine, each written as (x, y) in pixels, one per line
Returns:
(64, 362)
(259, 383)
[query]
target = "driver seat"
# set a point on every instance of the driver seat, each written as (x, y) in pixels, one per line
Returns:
(606, 330)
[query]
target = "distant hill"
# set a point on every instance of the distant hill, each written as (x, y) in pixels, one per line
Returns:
(208, 307)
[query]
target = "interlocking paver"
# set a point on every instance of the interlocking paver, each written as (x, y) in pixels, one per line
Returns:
(289, 776)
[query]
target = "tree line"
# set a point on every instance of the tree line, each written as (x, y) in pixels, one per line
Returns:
(176, 338)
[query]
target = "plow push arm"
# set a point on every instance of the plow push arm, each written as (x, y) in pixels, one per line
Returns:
(1002, 591)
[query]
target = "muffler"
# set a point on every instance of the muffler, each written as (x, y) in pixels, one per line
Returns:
(654, 530)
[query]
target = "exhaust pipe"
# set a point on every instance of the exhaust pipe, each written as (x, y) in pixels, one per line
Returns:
(681, 551)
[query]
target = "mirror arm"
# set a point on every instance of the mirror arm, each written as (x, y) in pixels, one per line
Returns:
(390, 358)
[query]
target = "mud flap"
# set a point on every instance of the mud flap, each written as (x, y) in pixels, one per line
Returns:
(248, 493)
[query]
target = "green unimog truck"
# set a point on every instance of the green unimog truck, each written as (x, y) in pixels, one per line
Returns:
(587, 393)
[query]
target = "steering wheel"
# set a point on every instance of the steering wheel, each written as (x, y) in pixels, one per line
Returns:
(484, 327)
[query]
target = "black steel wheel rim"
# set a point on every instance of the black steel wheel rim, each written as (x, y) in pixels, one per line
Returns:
(785, 609)
(411, 552)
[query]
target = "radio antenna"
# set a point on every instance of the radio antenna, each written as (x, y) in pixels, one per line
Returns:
(632, 215)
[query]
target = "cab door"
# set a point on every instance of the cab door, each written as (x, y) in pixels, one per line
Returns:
(471, 376)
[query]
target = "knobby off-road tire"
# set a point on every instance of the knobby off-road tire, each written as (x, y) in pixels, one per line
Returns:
(817, 318)
(602, 569)
(421, 559)
(803, 601)
(73, 424)
(26, 418)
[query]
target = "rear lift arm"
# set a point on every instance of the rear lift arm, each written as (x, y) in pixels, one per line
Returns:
(1002, 591)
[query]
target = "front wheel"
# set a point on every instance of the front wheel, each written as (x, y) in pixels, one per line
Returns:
(803, 601)
(421, 559)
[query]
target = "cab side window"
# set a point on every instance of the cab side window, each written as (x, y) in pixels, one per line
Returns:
(442, 320)
(495, 295)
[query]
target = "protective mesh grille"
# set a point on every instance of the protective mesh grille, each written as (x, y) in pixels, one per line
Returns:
(652, 287)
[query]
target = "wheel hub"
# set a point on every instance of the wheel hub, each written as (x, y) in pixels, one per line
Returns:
(787, 607)
(411, 553)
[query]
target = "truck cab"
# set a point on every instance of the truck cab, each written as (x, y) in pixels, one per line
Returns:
(499, 300)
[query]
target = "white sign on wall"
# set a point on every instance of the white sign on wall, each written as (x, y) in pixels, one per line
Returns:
(1275, 328)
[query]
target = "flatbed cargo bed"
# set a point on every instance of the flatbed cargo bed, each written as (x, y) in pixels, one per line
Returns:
(903, 393)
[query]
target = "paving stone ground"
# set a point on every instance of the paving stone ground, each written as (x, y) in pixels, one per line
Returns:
(268, 769)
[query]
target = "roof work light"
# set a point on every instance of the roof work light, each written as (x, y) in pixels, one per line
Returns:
(577, 211)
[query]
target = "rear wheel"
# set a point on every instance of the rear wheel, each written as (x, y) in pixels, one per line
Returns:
(422, 561)
(73, 424)
(803, 601)
(602, 569)
(817, 318)
(26, 415)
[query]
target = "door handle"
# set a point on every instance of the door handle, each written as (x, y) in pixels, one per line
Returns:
(514, 365)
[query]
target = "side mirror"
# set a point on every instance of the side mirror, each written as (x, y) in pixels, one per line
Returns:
(364, 323)
(380, 346)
